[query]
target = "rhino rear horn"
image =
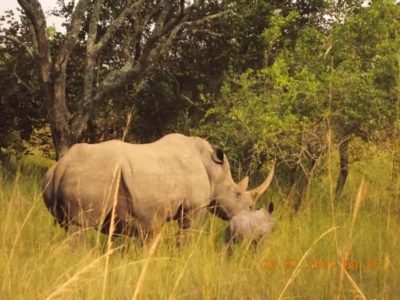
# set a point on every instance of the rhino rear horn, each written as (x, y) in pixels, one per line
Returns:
(243, 184)
(218, 155)
(260, 190)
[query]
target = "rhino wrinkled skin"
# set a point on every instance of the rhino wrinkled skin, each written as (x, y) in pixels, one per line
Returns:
(174, 178)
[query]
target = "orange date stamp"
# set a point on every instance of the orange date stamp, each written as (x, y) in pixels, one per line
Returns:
(321, 264)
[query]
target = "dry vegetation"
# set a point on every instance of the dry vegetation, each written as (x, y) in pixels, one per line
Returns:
(301, 260)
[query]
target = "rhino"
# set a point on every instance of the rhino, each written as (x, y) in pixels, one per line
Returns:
(250, 225)
(141, 186)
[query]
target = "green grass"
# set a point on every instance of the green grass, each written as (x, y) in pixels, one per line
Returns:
(38, 261)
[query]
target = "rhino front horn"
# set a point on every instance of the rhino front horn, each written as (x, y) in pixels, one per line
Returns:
(260, 190)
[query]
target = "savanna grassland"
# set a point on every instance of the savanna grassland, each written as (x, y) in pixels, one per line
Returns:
(303, 83)
(302, 259)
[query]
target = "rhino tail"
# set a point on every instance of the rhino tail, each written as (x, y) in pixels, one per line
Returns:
(127, 184)
(121, 224)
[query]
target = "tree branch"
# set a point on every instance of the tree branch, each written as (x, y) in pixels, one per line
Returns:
(90, 58)
(72, 34)
(164, 32)
(92, 33)
(35, 14)
(130, 70)
(20, 81)
(160, 22)
(28, 49)
(163, 25)
(174, 32)
(128, 41)
(206, 19)
(128, 11)
(92, 51)
(33, 37)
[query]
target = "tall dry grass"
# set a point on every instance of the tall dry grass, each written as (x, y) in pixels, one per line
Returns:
(305, 258)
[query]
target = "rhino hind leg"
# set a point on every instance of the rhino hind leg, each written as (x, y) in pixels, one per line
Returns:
(58, 210)
(121, 227)
(60, 216)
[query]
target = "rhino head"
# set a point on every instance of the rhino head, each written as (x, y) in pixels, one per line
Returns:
(230, 198)
(251, 225)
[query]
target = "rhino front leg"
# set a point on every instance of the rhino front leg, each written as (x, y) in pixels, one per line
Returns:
(185, 223)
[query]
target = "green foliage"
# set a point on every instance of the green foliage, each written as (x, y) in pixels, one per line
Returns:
(340, 74)
(20, 102)
(364, 82)
(274, 113)
(262, 117)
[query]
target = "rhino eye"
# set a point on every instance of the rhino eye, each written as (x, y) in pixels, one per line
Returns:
(238, 194)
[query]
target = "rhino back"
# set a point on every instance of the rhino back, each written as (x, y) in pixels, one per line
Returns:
(158, 178)
(166, 174)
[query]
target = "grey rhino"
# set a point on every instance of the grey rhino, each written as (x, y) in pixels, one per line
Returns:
(251, 225)
(141, 186)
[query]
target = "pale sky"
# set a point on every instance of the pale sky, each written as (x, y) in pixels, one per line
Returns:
(46, 5)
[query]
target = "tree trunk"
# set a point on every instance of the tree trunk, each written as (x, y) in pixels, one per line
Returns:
(344, 166)
(61, 126)
(65, 132)
(58, 115)
(300, 184)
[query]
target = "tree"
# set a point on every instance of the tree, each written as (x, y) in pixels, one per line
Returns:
(343, 74)
(20, 102)
(275, 112)
(364, 77)
(140, 33)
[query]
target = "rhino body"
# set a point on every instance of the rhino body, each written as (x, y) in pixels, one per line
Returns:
(145, 185)
(251, 225)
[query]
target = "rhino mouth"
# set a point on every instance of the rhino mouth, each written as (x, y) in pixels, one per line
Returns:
(219, 211)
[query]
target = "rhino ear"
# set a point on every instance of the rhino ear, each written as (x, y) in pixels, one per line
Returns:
(218, 155)
(271, 207)
(244, 183)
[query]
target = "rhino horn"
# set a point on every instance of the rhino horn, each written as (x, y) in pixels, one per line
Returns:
(244, 183)
(260, 190)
